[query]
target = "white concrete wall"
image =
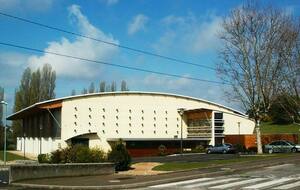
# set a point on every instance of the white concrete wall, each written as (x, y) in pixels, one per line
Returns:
(132, 116)
(35, 145)
(231, 126)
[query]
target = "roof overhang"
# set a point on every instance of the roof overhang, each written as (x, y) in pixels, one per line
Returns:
(35, 108)
(158, 139)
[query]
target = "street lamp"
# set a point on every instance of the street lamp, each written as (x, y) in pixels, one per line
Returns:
(181, 111)
(5, 125)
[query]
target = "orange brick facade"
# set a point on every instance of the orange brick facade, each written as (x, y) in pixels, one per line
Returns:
(250, 140)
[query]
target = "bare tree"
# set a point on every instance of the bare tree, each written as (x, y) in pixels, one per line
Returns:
(252, 58)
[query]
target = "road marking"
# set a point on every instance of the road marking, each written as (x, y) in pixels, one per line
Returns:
(288, 186)
(269, 183)
(237, 183)
(280, 166)
(211, 182)
(181, 182)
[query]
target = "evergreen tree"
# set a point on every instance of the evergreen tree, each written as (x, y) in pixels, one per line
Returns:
(113, 86)
(124, 86)
(73, 92)
(92, 88)
(48, 78)
(102, 86)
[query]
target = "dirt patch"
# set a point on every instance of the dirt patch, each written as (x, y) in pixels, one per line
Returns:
(143, 168)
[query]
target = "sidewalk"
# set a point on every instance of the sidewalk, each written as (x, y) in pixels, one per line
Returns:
(123, 180)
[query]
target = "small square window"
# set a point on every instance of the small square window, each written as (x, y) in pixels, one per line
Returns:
(75, 123)
(166, 125)
(103, 116)
(117, 124)
(154, 112)
(166, 119)
(90, 109)
(166, 132)
(129, 132)
(103, 131)
(154, 125)
(142, 111)
(177, 119)
(90, 116)
(166, 112)
(177, 132)
(142, 125)
(103, 109)
(75, 116)
(75, 130)
(129, 111)
(177, 125)
(129, 124)
(117, 110)
(117, 117)
(154, 132)
(117, 131)
(142, 118)
(154, 118)
(142, 132)
(75, 108)
(90, 124)
(103, 124)
(129, 117)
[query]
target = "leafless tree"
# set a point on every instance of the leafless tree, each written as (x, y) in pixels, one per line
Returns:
(253, 56)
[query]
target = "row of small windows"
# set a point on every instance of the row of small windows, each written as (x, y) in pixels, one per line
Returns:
(103, 124)
(117, 117)
(117, 131)
(117, 110)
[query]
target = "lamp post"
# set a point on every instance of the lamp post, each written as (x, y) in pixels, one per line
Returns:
(181, 111)
(239, 126)
(5, 125)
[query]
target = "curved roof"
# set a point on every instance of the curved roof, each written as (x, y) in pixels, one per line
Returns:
(47, 104)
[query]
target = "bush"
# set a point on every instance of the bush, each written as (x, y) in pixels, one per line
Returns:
(43, 158)
(120, 156)
(82, 154)
(240, 148)
(162, 150)
(199, 149)
(56, 157)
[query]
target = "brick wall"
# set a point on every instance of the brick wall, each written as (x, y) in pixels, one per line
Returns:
(250, 140)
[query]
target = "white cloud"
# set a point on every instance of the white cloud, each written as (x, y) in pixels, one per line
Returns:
(80, 47)
(138, 23)
(13, 59)
(188, 34)
(29, 5)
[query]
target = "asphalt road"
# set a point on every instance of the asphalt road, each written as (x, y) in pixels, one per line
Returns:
(282, 177)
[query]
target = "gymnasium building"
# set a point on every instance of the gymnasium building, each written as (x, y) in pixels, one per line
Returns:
(143, 120)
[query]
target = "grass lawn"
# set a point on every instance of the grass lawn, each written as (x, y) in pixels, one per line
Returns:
(11, 157)
(269, 128)
(177, 166)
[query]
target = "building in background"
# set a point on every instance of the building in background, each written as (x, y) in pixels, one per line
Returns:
(144, 120)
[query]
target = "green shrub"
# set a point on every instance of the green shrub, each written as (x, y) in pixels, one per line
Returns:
(56, 157)
(240, 148)
(199, 149)
(120, 156)
(43, 158)
(162, 150)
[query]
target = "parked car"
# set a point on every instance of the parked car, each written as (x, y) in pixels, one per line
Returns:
(221, 148)
(281, 146)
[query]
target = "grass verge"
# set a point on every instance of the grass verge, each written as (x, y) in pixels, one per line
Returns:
(179, 166)
(11, 156)
(270, 128)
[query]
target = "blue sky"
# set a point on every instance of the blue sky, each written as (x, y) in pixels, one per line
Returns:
(184, 30)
